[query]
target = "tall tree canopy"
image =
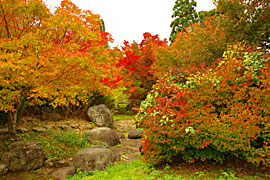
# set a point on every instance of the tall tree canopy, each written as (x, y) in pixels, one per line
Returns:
(184, 14)
(245, 19)
(59, 57)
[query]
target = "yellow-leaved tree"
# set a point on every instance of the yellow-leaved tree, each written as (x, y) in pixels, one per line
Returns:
(61, 56)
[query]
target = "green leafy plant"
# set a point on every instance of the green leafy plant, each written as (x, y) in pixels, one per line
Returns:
(184, 14)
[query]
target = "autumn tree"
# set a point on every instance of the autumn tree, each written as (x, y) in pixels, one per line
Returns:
(59, 57)
(184, 14)
(245, 19)
(193, 50)
(137, 65)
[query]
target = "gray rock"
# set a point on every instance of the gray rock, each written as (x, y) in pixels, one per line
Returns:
(89, 126)
(57, 163)
(134, 134)
(90, 159)
(3, 169)
(121, 135)
(64, 127)
(101, 116)
(75, 126)
(116, 156)
(23, 156)
(104, 135)
(61, 174)
(48, 127)
(3, 131)
(21, 129)
(39, 129)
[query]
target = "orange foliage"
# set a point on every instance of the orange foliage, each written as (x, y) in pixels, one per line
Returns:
(60, 57)
(193, 50)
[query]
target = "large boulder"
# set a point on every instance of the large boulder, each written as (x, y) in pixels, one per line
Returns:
(101, 116)
(90, 159)
(104, 135)
(23, 156)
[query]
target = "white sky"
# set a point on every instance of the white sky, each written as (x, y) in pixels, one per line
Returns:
(129, 19)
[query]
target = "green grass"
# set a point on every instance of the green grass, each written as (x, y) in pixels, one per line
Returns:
(137, 170)
(122, 116)
(56, 143)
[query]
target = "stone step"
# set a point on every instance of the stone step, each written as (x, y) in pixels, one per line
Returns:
(125, 149)
(131, 142)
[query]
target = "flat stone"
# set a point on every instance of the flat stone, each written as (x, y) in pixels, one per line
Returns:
(134, 134)
(121, 135)
(75, 126)
(89, 126)
(61, 174)
(49, 127)
(22, 129)
(3, 131)
(64, 127)
(57, 163)
(3, 169)
(39, 129)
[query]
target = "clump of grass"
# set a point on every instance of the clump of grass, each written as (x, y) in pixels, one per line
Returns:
(123, 116)
(55, 144)
(72, 139)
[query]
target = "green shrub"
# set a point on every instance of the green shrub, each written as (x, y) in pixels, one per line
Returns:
(215, 115)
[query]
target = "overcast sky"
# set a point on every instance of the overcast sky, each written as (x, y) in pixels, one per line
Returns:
(129, 19)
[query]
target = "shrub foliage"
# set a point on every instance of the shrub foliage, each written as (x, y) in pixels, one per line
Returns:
(215, 115)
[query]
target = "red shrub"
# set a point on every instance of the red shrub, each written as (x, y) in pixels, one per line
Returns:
(212, 116)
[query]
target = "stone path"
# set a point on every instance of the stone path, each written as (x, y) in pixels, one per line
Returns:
(129, 148)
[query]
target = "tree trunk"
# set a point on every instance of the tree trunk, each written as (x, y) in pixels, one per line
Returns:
(12, 122)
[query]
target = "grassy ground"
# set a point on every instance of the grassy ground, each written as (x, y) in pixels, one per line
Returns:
(137, 170)
(64, 144)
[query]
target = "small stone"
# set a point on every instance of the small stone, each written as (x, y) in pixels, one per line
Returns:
(49, 163)
(3, 131)
(89, 126)
(49, 127)
(61, 174)
(39, 129)
(64, 127)
(75, 126)
(21, 129)
(134, 134)
(116, 156)
(3, 169)
(57, 163)
(121, 136)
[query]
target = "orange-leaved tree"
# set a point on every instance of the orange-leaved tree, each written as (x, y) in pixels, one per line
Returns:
(59, 57)
(192, 50)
